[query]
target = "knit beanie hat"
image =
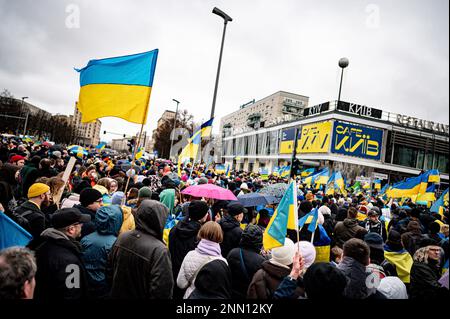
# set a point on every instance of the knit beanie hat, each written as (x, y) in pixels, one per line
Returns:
(145, 192)
(284, 254)
(197, 209)
(325, 210)
(308, 252)
(394, 240)
(37, 189)
(116, 198)
(374, 240)
(88, 196)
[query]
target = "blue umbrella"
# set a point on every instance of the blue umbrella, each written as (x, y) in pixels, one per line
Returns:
(255, 199)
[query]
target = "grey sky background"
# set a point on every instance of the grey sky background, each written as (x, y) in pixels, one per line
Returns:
(398, 62)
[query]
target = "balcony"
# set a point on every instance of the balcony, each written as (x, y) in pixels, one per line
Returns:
(253, 120)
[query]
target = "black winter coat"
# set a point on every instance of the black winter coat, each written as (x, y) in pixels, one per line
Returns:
(37, 220)
(58, 260)
(141, 267)
(182, 239)
(231, 234)
(424, 282)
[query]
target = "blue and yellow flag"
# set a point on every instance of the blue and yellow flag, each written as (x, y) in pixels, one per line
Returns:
(377, 184)
(100, 146)
(285, 171)
(312, 218)
(276, 171)
(413, 185)
(228, 172)
(329, 188)
(427, 197)
(438, 206)
(307, 172)
(191, 149)
(11, 234)
(139, 153)
(339, 183)
(284, 218)
(220, 169)
(118, 87)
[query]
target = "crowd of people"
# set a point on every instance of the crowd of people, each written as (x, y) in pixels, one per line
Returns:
(102, 241)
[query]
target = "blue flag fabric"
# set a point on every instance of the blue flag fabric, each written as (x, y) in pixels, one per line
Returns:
(11, 234)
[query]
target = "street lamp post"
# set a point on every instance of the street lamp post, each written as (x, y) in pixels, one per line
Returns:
(343, 63)
(226, 19)
(174, 125)
(26, 119)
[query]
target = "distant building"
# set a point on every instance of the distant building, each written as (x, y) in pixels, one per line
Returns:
(86, 133)
(166, 116)
(274, 109)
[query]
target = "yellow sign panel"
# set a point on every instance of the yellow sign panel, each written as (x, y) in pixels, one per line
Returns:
(315, 138)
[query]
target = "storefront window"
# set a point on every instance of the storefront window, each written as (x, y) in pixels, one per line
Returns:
(441, 162)
(405, 156)
(420, 159)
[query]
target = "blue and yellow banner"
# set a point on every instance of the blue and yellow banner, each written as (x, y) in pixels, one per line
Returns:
(287, 141)
(118, 87)
(358, 141)
(315, 138)
(220, 169)
(100, 146)
(284, 218)
(307, 172)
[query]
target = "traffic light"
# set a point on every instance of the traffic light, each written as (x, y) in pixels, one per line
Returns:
(131, 145)
(123, 135)
(296, 167)
(104, 132)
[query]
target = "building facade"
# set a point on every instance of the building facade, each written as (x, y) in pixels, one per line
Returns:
(166, 116)
(276, 108)
(86, 133)
(355, 139)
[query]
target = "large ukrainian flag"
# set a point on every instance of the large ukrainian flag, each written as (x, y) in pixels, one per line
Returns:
(414, 185)
(438, 206)
(118, 87)
(285, 217)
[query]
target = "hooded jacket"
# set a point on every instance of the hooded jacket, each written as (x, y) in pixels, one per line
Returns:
(58, 259)
(167, 197)
(213, 281)
(128, 220)
(346, 230)
(88, 227)
(245, 260)
(356, 278)
(97, 246)
(182, 239)
(141, 267)
(232, 232)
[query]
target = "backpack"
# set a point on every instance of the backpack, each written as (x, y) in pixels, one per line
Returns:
(21, 220)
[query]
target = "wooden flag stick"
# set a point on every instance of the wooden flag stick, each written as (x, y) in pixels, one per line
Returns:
(132, 162)
(65, 178)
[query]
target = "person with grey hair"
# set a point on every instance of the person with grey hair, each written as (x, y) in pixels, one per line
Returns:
(17, 272)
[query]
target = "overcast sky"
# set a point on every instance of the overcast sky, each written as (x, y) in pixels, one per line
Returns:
(398, 52)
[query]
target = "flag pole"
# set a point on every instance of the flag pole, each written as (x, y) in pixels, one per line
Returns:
(134, 155)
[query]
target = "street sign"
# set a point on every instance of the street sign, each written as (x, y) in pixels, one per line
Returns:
(379, 176)
(363, 179)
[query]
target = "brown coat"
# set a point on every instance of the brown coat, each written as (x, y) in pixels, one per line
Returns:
(346, 230)
(266, 281)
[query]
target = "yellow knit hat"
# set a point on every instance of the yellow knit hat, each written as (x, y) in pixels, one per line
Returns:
(37, 189)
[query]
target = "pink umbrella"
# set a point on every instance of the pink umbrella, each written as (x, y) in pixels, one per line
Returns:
(209, 191)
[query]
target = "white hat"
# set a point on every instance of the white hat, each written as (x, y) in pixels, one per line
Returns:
(393, 288)
(244, 186)
(285, 254)
(325, 210)
(341, 201)
(308, 252)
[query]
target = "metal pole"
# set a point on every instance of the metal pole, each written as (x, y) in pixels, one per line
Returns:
(174, 125)
(26, 122)
(340, 86)
(218, 70)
